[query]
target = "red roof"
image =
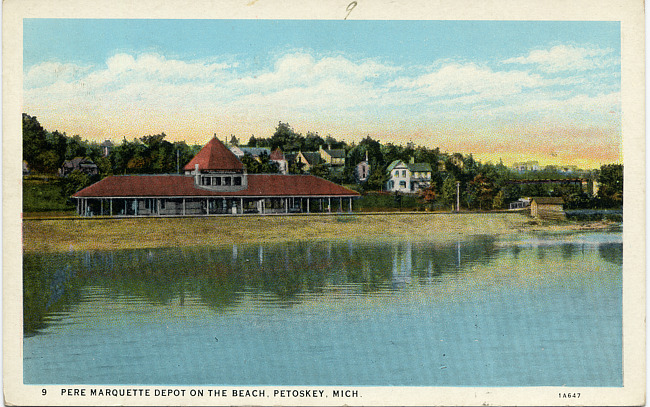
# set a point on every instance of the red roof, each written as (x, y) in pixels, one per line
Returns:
(259, 185)
(216, 157)
(277, 155)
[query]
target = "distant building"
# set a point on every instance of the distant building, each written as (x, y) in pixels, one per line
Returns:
(255, 152)
(408, 178)
(85, 165)
(547, 208)
(278, 157)
(332, 158)
(308, 160)
(106, 146)
(363, 170)
(520, 203)
(526, 166)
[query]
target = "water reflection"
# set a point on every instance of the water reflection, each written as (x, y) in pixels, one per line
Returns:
(219, 278)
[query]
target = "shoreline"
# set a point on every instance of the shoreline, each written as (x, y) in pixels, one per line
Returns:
(83, 234)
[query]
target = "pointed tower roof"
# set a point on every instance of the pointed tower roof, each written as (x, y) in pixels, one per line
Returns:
(215, 156)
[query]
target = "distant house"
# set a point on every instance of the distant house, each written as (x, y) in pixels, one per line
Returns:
(255, 152)
(408, 178)
(520, 203)
(85, 165)
(106, 146)
(547, 208)
(308, 160)
(526, 166)
(363, 170)
(278, 157)
(332, 158)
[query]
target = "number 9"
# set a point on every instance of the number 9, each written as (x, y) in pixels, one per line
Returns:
(44, 392)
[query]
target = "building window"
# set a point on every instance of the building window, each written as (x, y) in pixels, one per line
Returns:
(402, 184)
(226, 181)
(237, 181)
(403, 173)
(206, 180)
(217, 181)
(396, 173)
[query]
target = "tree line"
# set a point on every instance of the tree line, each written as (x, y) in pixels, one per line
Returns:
(482, 185)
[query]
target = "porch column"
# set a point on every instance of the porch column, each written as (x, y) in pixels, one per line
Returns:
(110, 204)
(183, 206)
(241, 203)
(329, 204)
(286, 205)
(350, 203)
(101, 206)
(340, 204)
(136, 206)
(207, 206)
(307, 205)
(158, 206)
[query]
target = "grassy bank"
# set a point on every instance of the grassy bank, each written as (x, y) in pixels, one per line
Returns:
(104, 234)
(45, 194)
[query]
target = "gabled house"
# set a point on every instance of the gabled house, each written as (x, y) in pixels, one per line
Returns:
(308, 160)
(85, 165)
(408, 178)
(332, 158)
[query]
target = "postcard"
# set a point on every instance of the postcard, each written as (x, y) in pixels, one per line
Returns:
(352, 203)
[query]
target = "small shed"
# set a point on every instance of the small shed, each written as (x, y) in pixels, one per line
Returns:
(547, 208)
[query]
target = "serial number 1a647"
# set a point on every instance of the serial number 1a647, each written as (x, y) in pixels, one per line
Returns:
(569, 395)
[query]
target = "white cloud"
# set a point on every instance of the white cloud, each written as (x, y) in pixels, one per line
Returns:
(455, 80)
(567, 58)
(48, 73)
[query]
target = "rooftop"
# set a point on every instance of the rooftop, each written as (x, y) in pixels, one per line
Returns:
(215, 156)
(259, 185)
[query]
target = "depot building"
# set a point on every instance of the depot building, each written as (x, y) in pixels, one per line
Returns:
(214, 182)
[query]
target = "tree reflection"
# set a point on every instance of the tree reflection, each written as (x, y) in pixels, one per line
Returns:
(220, 278)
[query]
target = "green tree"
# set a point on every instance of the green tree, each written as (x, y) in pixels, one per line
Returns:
(319, 170)
(34, 141)
(74, 182)
(448, 193)
(499, 200)
(611, 184)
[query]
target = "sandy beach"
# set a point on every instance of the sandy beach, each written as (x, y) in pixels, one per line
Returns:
(58, 235)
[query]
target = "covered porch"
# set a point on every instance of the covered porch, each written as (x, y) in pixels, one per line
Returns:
(207, 206)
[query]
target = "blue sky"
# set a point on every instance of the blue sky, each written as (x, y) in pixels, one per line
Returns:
(468, 86)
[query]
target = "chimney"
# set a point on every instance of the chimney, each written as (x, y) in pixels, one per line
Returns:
(197, 175)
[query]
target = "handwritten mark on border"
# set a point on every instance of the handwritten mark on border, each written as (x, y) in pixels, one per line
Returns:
(349, 9)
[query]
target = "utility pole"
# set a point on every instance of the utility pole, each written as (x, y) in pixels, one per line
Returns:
(457, 196)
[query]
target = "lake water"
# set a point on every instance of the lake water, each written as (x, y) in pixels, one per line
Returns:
(542, 310)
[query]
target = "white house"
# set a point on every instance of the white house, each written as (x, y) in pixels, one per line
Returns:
(408, 178)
